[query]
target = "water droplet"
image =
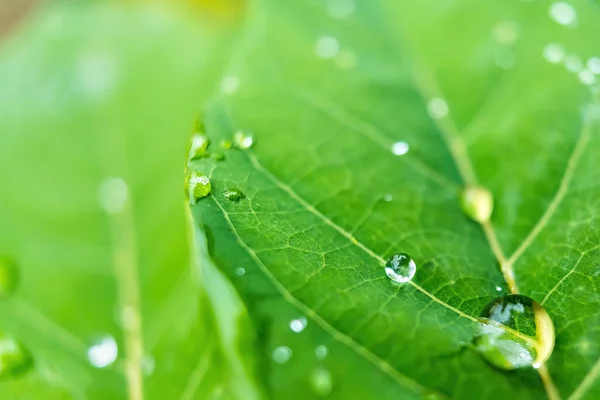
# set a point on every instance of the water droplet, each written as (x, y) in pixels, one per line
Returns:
(243, 140)
(587, 77)
(593, 64)
(515, 332)
(14, 358)
(226, 144)
(437, 108)
(573, 63)
(234, 195)
(340, 9)
(498, 288)
(400, 268)
(477, 202)
(554, 53)
(298, 325)
(198, 146)
(198, 186)
(9, 276)
(103, 353)
(320, 380)
(321, 352)
(327, 47)
(282, 354)
(400, 148)
(387, 198)
(240, 271)
(230, 84)
(563, 13)
(112, 195)
(506, 32)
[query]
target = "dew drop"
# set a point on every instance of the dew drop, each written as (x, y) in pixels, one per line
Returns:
(437, 108)
(298, 325)
(593, 64)
(198, 186)
(498, 289)
(327, 47)
(321, 382)
(234, 195)
(400, 148)
(198, 146)
(282, 354)
(14, 358)
(563, 13)
(515, 332)
(112, 195)
(103, 353)
(9, 276)
(477, 202)
(400, 268)
(573, 63)
(388, 198)
(321, 352)
(243, 140)
(553, 53)
(240, 271)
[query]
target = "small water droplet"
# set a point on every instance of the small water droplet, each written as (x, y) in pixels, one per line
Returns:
(282, 354)
(9, 276)
(321, 352)
(400, 148)
(573, 63)
(387, 198)
(198, 186)
(243, 140)
(240, 271)
(14, 358)
(198, 146)
(553, 53)
(103, 353)
(327, 47)
(340, 9)
(230, 84)
(498, 288)
(563, 13)
(593, 64)
(477, 202)
(515, 332)
(234, 195)
(321, 381)
(400, 268)
(437, 108)
(587, 77)
(113, 194)
(298, 325)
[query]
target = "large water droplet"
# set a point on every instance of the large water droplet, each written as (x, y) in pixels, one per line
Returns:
(234, 195)
(320, 380)
(400, 267)
(14, 358)
(477, 202)
(198, 146)
(198, 186)
(9, 276)
(282, 354)
(243, 140)
(515, 332)
(103, 353)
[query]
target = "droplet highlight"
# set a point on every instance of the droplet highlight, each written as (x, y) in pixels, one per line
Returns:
(198, 186)
(477, 202)
(321, 352)
(400, 268)
(15, 359)
(593, 64)
(243, 140)
(198, 146)
(282, 354)
(400, 148)
(9, 276)
(563, 13)
(103, 353)
(437, 108)
(234, 195)
(298, 325)
(240, 271)
(515, 332)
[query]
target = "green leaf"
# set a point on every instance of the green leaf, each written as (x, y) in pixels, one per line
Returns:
(97, 106)
(327, 91)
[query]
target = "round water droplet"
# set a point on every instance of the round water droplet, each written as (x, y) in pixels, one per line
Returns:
(9, 276)
(400, 267)
(400, 148)
(243, 140)
(234, 195)
(103, 353)
(197, 186)
(388, 198)
(477, 202)
(320, 380)
(198, 146)
(14, 358)
(515, 332)
(298, 325)
(437, 108)
(282, 354)
(321, 352)
(240, 271)
(563, 13)
(498, 288)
